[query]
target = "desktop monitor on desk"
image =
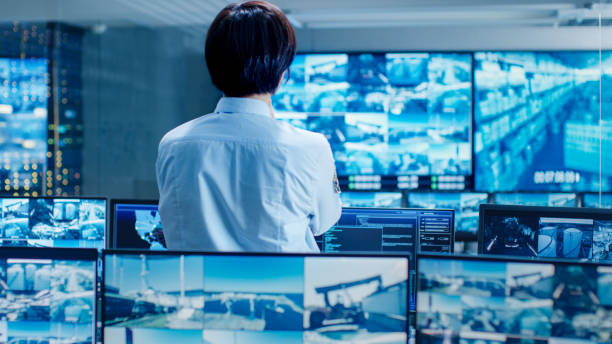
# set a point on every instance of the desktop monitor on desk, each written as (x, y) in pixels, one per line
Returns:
(576, 233)
(53, 222)
(136, 224)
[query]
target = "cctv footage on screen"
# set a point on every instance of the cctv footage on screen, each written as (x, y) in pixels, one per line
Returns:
(211, 299)
(393, 120)
(48, 222)
(464, 300)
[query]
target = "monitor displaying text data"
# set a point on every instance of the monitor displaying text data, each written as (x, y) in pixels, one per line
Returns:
(165, 297)
(468, 299)
(576, 233)
(48, 295)
(393, 120)
(53, 222)
(136, 224)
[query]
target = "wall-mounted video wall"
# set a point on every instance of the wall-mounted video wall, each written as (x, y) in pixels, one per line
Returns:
(482, 121)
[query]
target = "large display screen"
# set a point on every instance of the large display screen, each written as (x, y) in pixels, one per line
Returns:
(476, 300)
(372, 199)
(48, 296)
(245, 299)
(23, 125)
(536, 199)
(465, 205)
(537, 121)
(386, 115)
(53, 222)
(546, 232)
(136, 224)
(593, 200)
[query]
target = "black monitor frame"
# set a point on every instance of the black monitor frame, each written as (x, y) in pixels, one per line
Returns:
(418, 243)
(112, 227)
(95, 198)
(564, 212)
(111, 252)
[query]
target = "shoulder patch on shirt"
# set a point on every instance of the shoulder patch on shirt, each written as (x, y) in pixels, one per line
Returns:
(336, 183)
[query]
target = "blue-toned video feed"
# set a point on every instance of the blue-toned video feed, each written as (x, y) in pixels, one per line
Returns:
(537, 121)
(384, 114)
(372, 199)
(47, 301)
(592, 200)
(254, 299)
(479, 301)
(138, 226)
(23, 123)
(465, 205)
(536, 199)
(53, 222)
(534, 236)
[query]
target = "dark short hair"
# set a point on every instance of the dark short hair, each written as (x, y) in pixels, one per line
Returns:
(248, 47)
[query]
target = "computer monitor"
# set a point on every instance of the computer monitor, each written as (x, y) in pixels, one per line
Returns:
(465, 205)
(577, 233)
(592, 200)
(48, 295)
(24, 84)
(394, 120)
(53, 222)
(537, 123)
(136, 224)
(470, 299)
(392, 231)
(372, 199)
(215, 298)
(554, 199)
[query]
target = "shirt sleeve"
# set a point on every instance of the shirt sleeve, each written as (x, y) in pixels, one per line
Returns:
(327, 203)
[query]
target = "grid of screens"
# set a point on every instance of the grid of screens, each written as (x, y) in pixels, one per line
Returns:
(23, 124)
(136, 224)
(53, 222)
(385, 115)
(546, 232)
(244, 299)
(372, 199)
(537, 121)
(536, 199)
(471, 300)
(47, 296)
(465, 206)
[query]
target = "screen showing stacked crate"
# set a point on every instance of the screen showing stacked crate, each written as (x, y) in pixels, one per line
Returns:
(159, 297)
(486, 300)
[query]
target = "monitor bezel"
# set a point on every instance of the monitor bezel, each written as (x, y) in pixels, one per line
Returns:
(63, 254)
(96, 198)
(522, 210)
(112, 224)
(452, 245)
(136, 253)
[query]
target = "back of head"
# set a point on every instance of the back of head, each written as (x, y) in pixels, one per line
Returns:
(248, 48)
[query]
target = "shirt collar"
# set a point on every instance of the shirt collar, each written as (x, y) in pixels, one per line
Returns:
(243, 105)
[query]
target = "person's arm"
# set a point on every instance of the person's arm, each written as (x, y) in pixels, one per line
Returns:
(326, 195)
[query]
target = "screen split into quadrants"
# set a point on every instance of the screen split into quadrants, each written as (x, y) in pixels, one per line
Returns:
(225, 299)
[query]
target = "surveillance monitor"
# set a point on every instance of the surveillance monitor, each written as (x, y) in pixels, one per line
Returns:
(475, 299)
(53, 222)
(136, 224)
(48, 295)
(163, 297)
(544, 199)
(595, 200)
(576, 233)
(372, 199)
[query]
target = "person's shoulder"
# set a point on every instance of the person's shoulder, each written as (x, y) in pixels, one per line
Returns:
(304, 138)
(184, 131)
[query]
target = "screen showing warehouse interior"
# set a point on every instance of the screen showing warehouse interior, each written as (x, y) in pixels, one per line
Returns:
(138, 226)
(532, 235)
(537, 121)
(47, 301)
(480, 301)
(254, 299)
(385, 114)
(53, 222)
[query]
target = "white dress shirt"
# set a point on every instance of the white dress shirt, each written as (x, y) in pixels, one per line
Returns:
(240, 180)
